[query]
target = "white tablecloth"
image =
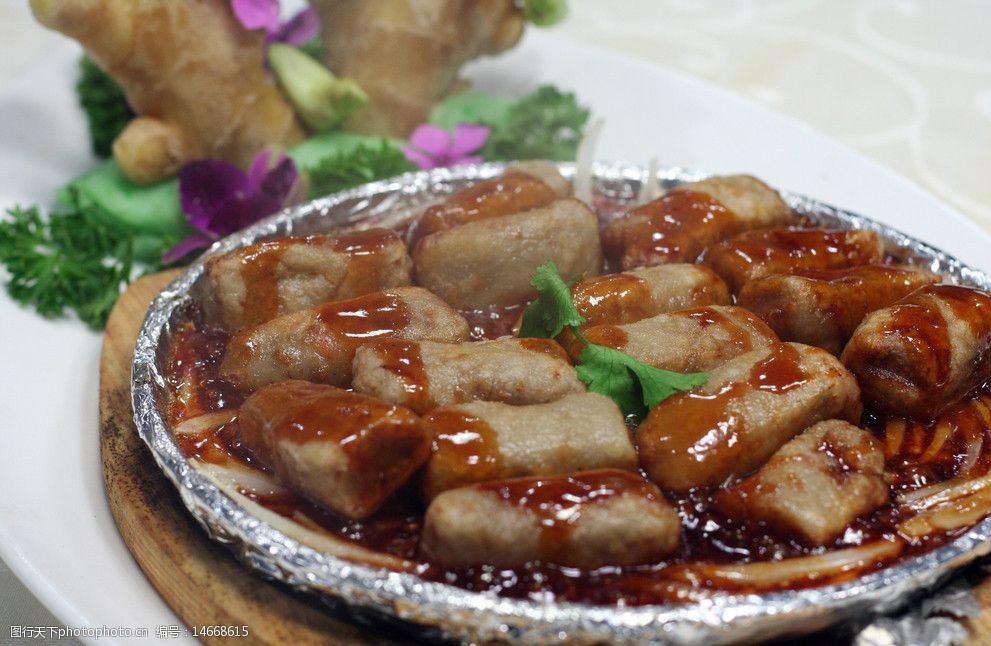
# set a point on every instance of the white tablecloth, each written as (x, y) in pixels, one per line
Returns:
(915, 76)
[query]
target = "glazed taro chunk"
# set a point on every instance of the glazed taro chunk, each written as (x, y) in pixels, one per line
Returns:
(586, 520)
(784, 251)
(524, 186)
(647, 291)
(747, 410)
(680, 224)
(491, 441)
(423, 375)
(754, 203)
(489, 262)
(924, 353)
(257, 283)
(824, 307)
(342, 450)
(815, 485)
(318, 344)
(691, 340)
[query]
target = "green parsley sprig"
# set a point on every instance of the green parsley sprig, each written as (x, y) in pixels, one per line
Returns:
(546, 124)
(67, 261)
(103, 102)
(635, 386)
(364, 163)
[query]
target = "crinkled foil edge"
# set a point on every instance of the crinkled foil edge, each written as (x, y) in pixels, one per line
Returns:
(443, 610)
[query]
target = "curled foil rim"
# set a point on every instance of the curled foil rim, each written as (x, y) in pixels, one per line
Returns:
(431, 609)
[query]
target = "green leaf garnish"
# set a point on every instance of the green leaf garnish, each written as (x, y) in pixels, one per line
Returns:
(635, 386)
(364, 163)
(103, 102)
(546, 124)
(553, 309)
(67, 261)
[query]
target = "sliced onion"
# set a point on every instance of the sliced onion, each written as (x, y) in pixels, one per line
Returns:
(915, 495)
(943, 492)
(785, 572)
(237, 478)
(204, 423)
(651, 188)
(584, 160)
(894, 434)
(982, 405)
(946, 516)
(975, 442)
(232, 480)
(942, 433)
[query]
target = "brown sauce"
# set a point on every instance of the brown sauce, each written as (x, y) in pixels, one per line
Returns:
(973, 307)
(920, 454)
(699, 425)
(557, 502)
(613, 299)
(303, 412)
(191, 371)
(818, 248)
(780, 372)
(366, 242)
(465, 451)
(735, 333)
(220, 445)
(924, 336)
(494, 322)
(549, 347)
(404, 360)
(261, 267)
(846, 296)
(368, 258)
(259, 270)
(364, 319)
(781, 251)
(611, 336)
(675, 227)
(511, 193)
(394, 529)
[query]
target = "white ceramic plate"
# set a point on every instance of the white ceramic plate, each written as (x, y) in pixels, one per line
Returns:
(56, 531)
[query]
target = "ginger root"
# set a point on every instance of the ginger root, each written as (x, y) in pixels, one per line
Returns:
(192, 73)
(406, 54)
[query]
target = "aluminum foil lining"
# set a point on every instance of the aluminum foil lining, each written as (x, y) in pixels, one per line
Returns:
(437, 609)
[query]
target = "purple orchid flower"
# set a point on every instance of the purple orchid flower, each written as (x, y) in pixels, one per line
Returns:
(219, 199)
(433, 147)
(264, 14)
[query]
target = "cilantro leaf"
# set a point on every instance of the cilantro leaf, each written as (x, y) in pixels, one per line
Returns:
(546, 124)
(349, 168)
(657, 384)
(635, 386)
(67, 261)
(604, 374)
(553, 309)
